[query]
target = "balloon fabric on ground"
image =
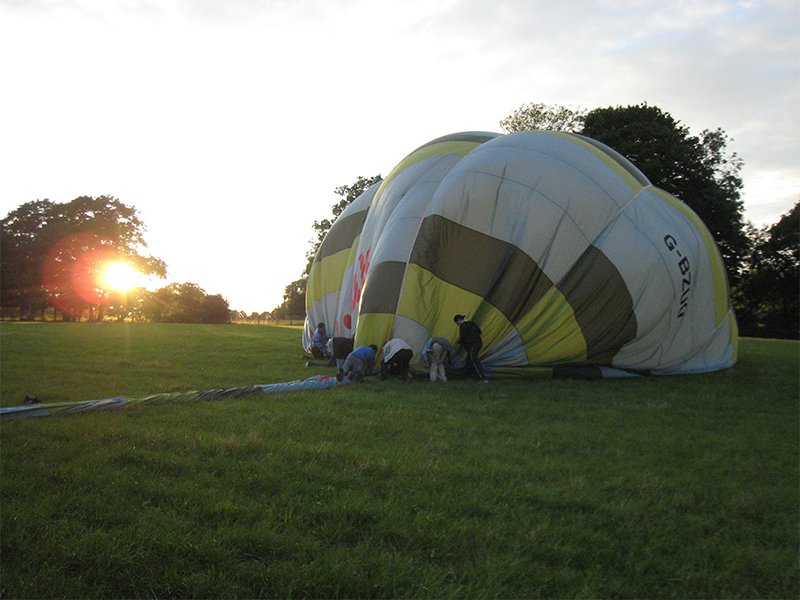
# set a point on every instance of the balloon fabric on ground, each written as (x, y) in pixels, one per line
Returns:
(317, 382)
(556, 245)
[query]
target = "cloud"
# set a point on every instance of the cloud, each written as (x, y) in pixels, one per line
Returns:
(723, 64)
(228, 124)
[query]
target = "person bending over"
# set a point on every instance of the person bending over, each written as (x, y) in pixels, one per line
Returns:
(397, 355)
(436, 354)
(358, 364)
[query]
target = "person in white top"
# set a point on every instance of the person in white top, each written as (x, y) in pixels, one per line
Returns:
(397, 355)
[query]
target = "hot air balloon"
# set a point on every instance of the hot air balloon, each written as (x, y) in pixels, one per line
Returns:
(556, 245)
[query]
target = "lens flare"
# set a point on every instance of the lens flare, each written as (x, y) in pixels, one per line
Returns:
(82, 272)
(121, 276)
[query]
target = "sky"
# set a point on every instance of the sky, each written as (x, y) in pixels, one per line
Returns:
(229, 123)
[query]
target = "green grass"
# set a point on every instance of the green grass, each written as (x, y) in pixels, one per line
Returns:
(61, 362)
(671, 487)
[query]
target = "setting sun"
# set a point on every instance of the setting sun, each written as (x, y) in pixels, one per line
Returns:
(121, 276)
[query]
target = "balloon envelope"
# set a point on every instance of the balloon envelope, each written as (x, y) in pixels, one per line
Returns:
(556, 245)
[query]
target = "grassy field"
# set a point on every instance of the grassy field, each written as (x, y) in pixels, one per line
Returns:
(672, 487)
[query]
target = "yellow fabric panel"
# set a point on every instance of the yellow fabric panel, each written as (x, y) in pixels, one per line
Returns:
(314, 286)
(326, 276)
(433, 303)
(608, 160)
(734, 337)
(461, 148)
(721, 301)
(374, 328)
(550, 332)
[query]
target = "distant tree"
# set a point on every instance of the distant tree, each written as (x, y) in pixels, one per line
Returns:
(127, 305)
(255, 317)
(188, 302)
(156, 306)
(259, 317)
(696, 169)
(184, 303)
(767, 298)
(294, 300)
(531, 117)
(214, 309)
(51, 252)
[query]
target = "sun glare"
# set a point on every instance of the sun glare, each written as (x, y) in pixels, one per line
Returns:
(121, 276)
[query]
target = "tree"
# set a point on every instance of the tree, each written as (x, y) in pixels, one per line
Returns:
(767, 300)
(25, 237)
(215, 309)
(256, 317)
(535, 116)
(184, 303)
(52, 253)
(157, 305)
(697, 170)
(294, 301)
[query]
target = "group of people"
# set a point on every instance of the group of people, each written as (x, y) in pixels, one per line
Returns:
(437, 353)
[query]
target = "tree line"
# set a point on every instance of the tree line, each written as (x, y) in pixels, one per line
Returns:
(179, 303)
(762, 264)
(53, 257)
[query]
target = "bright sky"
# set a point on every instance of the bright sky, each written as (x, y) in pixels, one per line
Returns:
(228, 123)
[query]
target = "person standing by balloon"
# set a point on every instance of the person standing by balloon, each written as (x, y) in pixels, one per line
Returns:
(470, 339)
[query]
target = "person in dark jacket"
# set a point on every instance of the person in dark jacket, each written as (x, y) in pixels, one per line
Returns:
(341, 347)
(470, 339)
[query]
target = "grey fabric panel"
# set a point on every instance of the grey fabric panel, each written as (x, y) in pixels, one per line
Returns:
(381, 291)
(496, 270)
(618, 158)
(468, 136)
(602, 304)
(341, 235)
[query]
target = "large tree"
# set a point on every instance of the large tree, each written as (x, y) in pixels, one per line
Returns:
(767, 299)
(696, 169)
(530, 117)
(51, 253)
